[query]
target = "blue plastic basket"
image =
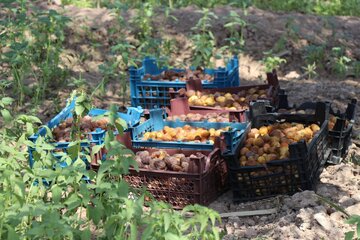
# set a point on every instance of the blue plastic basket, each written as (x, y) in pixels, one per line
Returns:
(156, 123)
(151, 94)
(132, 118)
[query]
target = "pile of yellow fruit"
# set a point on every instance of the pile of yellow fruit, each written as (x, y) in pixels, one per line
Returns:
(270, 143)
(228, 101)
(196, 117)
(185, 134)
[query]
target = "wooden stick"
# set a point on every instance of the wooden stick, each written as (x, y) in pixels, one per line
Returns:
(249, 213)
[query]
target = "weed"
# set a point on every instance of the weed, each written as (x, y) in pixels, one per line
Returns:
(203, 39)
(310, 70)
(315, 54)
(34, 44)
(356, 68)
(236, 38)
(272, 62)
(339, 62)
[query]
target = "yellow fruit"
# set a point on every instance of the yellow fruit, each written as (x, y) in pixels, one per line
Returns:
(243, 151)
(210, 102)
(314, 127)
(220, 99)
(263, 130)
(259, 142)
(192, 100)
(228, 96)
(261, 160)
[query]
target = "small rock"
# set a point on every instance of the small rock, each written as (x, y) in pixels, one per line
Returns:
(263, 218)
(250, 222)
(319, 209)
(303, 199)
(354, 209)
(292, 74)
(250, 233)
(323, 220)
(356, 196)
(337, 217)
(236, 225)
(346, 201)
(304, 218)
(230, 229)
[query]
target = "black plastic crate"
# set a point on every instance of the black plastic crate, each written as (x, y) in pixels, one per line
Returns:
(339, 135)
(301, 171)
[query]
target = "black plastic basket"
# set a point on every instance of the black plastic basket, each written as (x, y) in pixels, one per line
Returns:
(340, 135)
(300, 171)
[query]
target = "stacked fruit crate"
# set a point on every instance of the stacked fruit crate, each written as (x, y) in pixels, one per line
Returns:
(204, 133)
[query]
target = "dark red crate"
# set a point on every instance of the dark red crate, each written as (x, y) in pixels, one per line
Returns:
(179, 188)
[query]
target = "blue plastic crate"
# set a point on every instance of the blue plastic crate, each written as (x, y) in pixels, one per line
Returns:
(132, 118)
(156, 123)
(151, 94)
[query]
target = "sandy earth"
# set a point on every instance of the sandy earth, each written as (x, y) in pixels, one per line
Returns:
(301, 216)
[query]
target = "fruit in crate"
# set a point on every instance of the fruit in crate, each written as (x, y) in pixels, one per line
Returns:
(171, 75)
(269, 143)
(161, 160)
(196, 117)
(222, 100)
(332, 122)
(185, 134)
(62, 132)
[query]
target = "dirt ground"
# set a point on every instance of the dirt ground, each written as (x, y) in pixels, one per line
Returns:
(301, 216)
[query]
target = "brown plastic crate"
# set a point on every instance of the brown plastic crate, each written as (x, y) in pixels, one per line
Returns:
(180, 189)
(272, 87)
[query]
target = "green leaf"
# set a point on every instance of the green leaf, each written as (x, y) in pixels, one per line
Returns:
(171, 236)
(86, 234)
(79, 109)
(349, 235)
(166, 222)
(73, 202)
(6, 115)
(95, 149)
(353, 219)
(133, 231)
(95, 214)
(12, 235)
(56, 193)
(123, 189)
(7, 100)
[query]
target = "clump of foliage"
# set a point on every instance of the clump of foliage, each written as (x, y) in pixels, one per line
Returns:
(272, 62)
(50, 201)
(236, 26)
(32, 46)
(204, 42)
(339, 61)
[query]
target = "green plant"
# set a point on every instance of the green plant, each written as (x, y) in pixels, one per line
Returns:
(354, 219)
(356, 68)
(236, 38)
(48, 201)
(203, 39)
(339, 62)
(272, 62)
(34, 44)
(310, 70)
(315, 54)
